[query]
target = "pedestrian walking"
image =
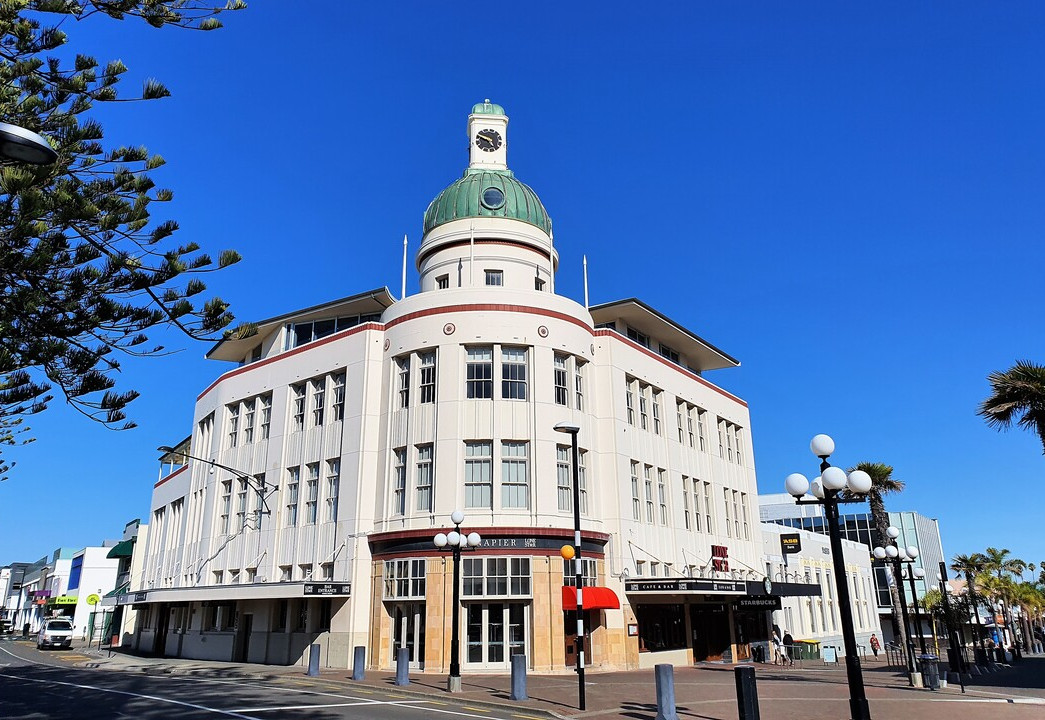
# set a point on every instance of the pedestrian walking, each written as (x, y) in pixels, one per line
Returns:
(875, 645)
(778, 648)
(789, 648)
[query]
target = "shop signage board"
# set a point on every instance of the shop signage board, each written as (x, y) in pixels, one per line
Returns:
(764, 602)
(328, 589)
(687, 585)
(791, 544)
(64, 600)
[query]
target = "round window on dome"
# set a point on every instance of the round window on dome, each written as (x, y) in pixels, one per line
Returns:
(493, 198)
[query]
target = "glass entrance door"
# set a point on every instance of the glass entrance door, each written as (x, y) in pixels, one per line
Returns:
(408, 630)
(494, 632)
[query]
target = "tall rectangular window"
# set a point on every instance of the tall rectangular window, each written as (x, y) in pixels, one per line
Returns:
(636, 502)
(403, 369)
(721, 439)
(266, 416)
(643, 411)
(241, 504)
(319, 402)
(679, 408)
(478, 474)
(725, 502)
(513, 373)
(515, 481)
(700, 429)
(338, 406)
(578, 383)
(233, 424)
(312, 494)
(226, 505)
(293, 483)
(689, 426)
(696, 507)
(662, 495)
(298, 406)
(582, 479)
(479, 369)
(736, 512)
(248, 421)
(399, 481)
(743, 510)
(494, 277)
(729, 441)
(656, 412)
(686, 521)
(562, 390)
(647, 476)
(333, 487)
(707, 509)
(629, 400)
(427, 388)
(424, 478)
(259, 500)
(563, 480)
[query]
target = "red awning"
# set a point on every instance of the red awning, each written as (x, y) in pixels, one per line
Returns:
(595, 598)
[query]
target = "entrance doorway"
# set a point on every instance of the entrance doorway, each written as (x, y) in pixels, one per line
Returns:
(408, 630)
(163, 622)
(494, 632)
(243, 630)
(570, 630)
(710, 625)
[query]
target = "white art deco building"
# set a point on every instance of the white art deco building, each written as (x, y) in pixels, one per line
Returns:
(356, 427)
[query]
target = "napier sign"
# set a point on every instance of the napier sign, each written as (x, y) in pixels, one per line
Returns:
(691, 585)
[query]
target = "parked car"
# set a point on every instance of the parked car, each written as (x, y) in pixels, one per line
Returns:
(55, 633)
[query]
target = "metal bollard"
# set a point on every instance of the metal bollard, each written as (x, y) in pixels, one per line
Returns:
(747, 692)
(518, 678)
(403, 666)
(358, 662)
(313, 660)
(666, 692)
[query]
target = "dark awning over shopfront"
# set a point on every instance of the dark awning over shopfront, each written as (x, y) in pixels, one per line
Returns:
(594, 597)
(122, 549)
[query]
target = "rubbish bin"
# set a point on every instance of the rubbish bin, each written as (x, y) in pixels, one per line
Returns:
(807, 649)
(930, 669)
(999, 655)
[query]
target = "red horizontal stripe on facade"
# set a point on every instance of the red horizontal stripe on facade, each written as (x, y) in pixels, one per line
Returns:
(459, 243)
(180, 470)
(489, 307)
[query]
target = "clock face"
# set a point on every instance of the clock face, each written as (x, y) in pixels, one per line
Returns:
(488, 140)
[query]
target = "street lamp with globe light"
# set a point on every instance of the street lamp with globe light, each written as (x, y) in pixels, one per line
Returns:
(454, 542)
(828, 490)
(572, 429)
(897, 555)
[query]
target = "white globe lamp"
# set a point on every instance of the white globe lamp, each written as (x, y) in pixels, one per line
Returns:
(822, 445)
(859, 482)
(834, 478)
(796, 484)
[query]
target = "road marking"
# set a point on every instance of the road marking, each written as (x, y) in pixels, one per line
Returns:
(273, 686)
(528, 717)
(368, 703)
(229, 713)
(469, 707)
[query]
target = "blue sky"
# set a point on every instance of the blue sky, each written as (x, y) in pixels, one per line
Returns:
(843, 197)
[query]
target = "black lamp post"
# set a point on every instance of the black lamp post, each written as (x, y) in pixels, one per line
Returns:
(953, 633)
(572, 430)
(827, 491)
(454, 542)
(896, 555)
(250, 481)
(912, 573)
(982, 658)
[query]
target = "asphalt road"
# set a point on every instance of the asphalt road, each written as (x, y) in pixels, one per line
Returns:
(35, 685)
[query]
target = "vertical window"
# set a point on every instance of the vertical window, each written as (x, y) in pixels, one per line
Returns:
(293, 480)
(729, 442)
(643, 411)
(563, 480)
(515, 483)
(248, 422)
(298, 406)
(319, 389)
(312, 494)
(740, 458)
(689, 426)
(427, 377)
(685, 503)
(233, 424)
(338, 406)
(578, 383)
(700, 429)
(226, 505)
(513, 373)
(721, 440)
(636, 503)
(736, 513)
(707, 508)
(647, 475)
(266, 415)
(562, 391)
(424, 478)
(399, 481)
(743, 510)
(333, 487)
(478, 475)
(259, 501)
(725, 502)
(656, 412)
(582, 479)
(678, 418)
(479, 371)
(629, 400)
(241, 504)
(696, 506)
(494, 277)
(403, 365)
(442, 282)
(662, 495)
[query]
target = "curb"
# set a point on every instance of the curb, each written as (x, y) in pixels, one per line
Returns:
(444, 697)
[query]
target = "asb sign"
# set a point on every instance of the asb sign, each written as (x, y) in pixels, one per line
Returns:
(791, 544)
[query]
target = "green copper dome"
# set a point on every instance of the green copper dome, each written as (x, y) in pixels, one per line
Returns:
(487, 193)
(487, 108)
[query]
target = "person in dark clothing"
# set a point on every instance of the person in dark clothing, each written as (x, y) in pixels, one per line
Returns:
(789, 647)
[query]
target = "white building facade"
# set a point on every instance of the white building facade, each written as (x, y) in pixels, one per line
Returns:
(302, 507)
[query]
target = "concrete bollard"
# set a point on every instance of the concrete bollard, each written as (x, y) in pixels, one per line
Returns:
(403, 666)
(358, 662)
(313, 660)
(665, 692)
(747, 692)
(518, 678)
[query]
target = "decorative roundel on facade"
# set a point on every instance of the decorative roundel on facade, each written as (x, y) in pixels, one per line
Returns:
(493, 198)
(542, 331)
(387, 343)
(593, 348)
(449, 329)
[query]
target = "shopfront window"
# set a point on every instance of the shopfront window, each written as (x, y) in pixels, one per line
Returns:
(661, 627)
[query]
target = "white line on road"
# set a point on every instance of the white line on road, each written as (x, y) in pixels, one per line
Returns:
(331, 705)
(138, 695)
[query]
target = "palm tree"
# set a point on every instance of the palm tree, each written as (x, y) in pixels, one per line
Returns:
(883, 483)
(998, 562)
(1017, 395)
(971, 566)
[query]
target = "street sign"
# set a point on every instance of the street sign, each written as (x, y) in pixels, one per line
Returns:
(94, 599)
(791, 544)
(328, 589)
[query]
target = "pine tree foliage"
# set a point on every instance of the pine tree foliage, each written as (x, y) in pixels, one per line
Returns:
(87, 271)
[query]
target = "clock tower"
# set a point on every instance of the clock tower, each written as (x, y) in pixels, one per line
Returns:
(487, 137)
